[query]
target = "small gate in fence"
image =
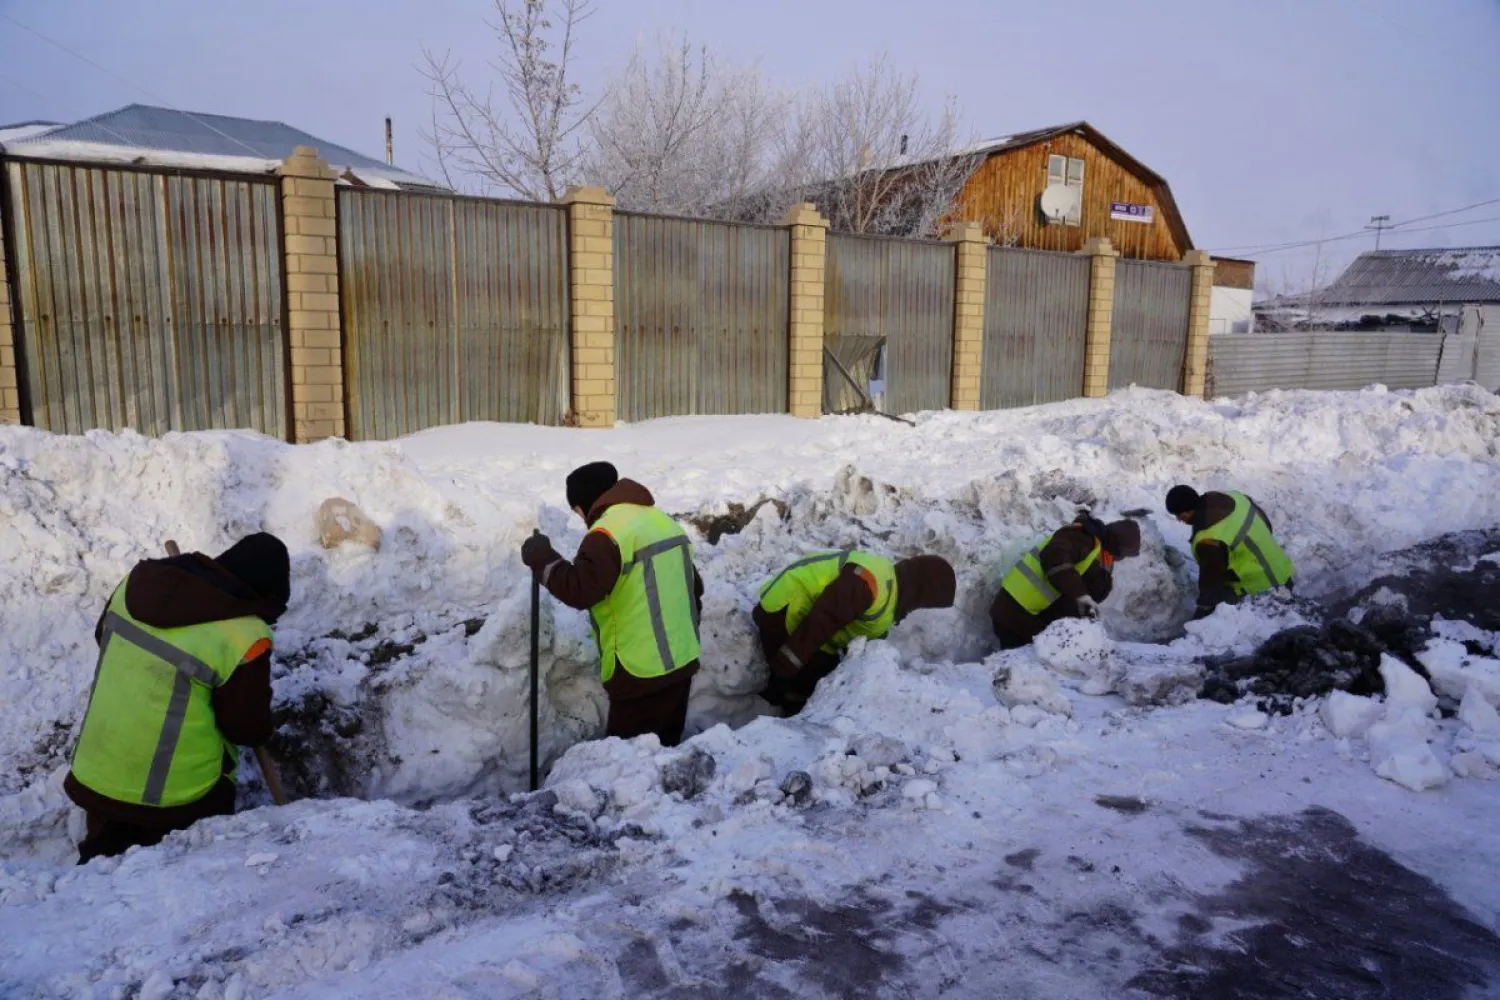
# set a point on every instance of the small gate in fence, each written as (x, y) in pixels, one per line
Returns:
(455, 309)
(899, 292)
(701, 317)
(149, 299)
(1035, 327)
(1149, 334)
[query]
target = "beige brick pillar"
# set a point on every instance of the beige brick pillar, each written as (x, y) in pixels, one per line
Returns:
(591, 290)
(1102, 259)
(10, 386)
(310, 243)
(968, 315)
(1195, 365)
(805, 309)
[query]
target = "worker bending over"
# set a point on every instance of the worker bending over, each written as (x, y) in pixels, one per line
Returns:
(1067, 576)
(1233, 545)
(184, 676)
(810, 612)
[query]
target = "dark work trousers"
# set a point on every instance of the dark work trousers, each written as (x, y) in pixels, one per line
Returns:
(640, 705)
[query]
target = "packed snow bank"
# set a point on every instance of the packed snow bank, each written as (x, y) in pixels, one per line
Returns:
(402, 670)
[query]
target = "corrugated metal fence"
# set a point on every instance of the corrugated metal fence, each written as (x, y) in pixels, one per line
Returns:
(1148, 338)
(1483, 324)
(701, 322)
(1035, 326)
(455, 309)
(900, 290)
(1249, 362)
(149, 299)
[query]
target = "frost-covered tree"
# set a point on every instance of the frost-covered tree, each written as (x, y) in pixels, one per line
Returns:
(872, 158)
(525, 139)
(683, 132)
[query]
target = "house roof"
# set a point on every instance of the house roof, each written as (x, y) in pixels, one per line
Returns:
(1418, 277)
(1147, 176)
(141, 133)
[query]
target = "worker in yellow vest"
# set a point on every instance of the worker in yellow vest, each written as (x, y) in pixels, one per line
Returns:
(1067, 576)
(811, 611)
(1232, 542)
(634, 575)
(184, 677)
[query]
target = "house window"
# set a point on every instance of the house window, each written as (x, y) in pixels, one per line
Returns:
(1066, 171)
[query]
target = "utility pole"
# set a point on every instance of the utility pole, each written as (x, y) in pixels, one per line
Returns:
(1379, 223)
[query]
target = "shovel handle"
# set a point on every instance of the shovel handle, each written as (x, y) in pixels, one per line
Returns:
(262, 755)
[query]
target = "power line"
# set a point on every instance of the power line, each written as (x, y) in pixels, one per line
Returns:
(1399, 226)
(35, 93)
(1422, 229)
(155, 97)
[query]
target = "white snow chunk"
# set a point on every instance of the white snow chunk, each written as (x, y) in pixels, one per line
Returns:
(1024, 684)
(916, 791)
(1248, 718)
(1160, 681)
(575, 796)
(878, 751)
(502, 852)
(1399, 752)
(1347, 715)
(1027, 715)
(748, 773)
(1473, 764)
(158, 986)
(1079, 651)
(1455, 670)
(1476, 712)
(260, 860)
(1405, 690)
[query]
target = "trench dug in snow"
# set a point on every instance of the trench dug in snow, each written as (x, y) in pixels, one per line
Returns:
(434, 714)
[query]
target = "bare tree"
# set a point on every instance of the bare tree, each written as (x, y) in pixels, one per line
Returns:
(525, 139)
(683, 132)
(872, 158)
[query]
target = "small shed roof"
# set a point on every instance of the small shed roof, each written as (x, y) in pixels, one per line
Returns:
(1418, 277)
(164, 136)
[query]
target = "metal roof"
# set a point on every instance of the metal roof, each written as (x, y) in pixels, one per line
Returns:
(141, 127)
(1416, 277)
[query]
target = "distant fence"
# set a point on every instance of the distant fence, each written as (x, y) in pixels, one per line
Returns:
(1241, 363)
(899, 292)
(700, 317)
(163, 299)
(1035, 327)
(147, 300)
(454, 309)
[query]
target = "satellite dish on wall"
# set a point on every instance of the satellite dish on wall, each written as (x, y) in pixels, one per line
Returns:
(1058, 202)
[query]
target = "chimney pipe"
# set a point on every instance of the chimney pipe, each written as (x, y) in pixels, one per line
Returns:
(389, 145)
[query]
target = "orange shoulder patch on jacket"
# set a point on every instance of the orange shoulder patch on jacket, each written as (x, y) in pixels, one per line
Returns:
(255, 652)
(869, 579)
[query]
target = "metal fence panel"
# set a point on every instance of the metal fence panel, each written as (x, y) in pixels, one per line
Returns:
(701, 317)
(1456, 359)
(901, 290)
(149, 300)
(1148, 337)
(1036, 315)
(455, 309)
(1484, 323)
(1241, 363)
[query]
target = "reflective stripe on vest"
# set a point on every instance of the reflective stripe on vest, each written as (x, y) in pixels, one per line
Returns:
(1256, 562)
(149, 736)
(1031, 589)
(796, 588)
(189, 668)
(639, 593)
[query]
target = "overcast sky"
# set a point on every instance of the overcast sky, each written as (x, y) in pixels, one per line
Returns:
(1273, 120)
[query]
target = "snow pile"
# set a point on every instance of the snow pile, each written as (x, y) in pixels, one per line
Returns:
(402, 669)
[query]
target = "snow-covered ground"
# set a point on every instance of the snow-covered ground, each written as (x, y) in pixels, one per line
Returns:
(942, 820)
